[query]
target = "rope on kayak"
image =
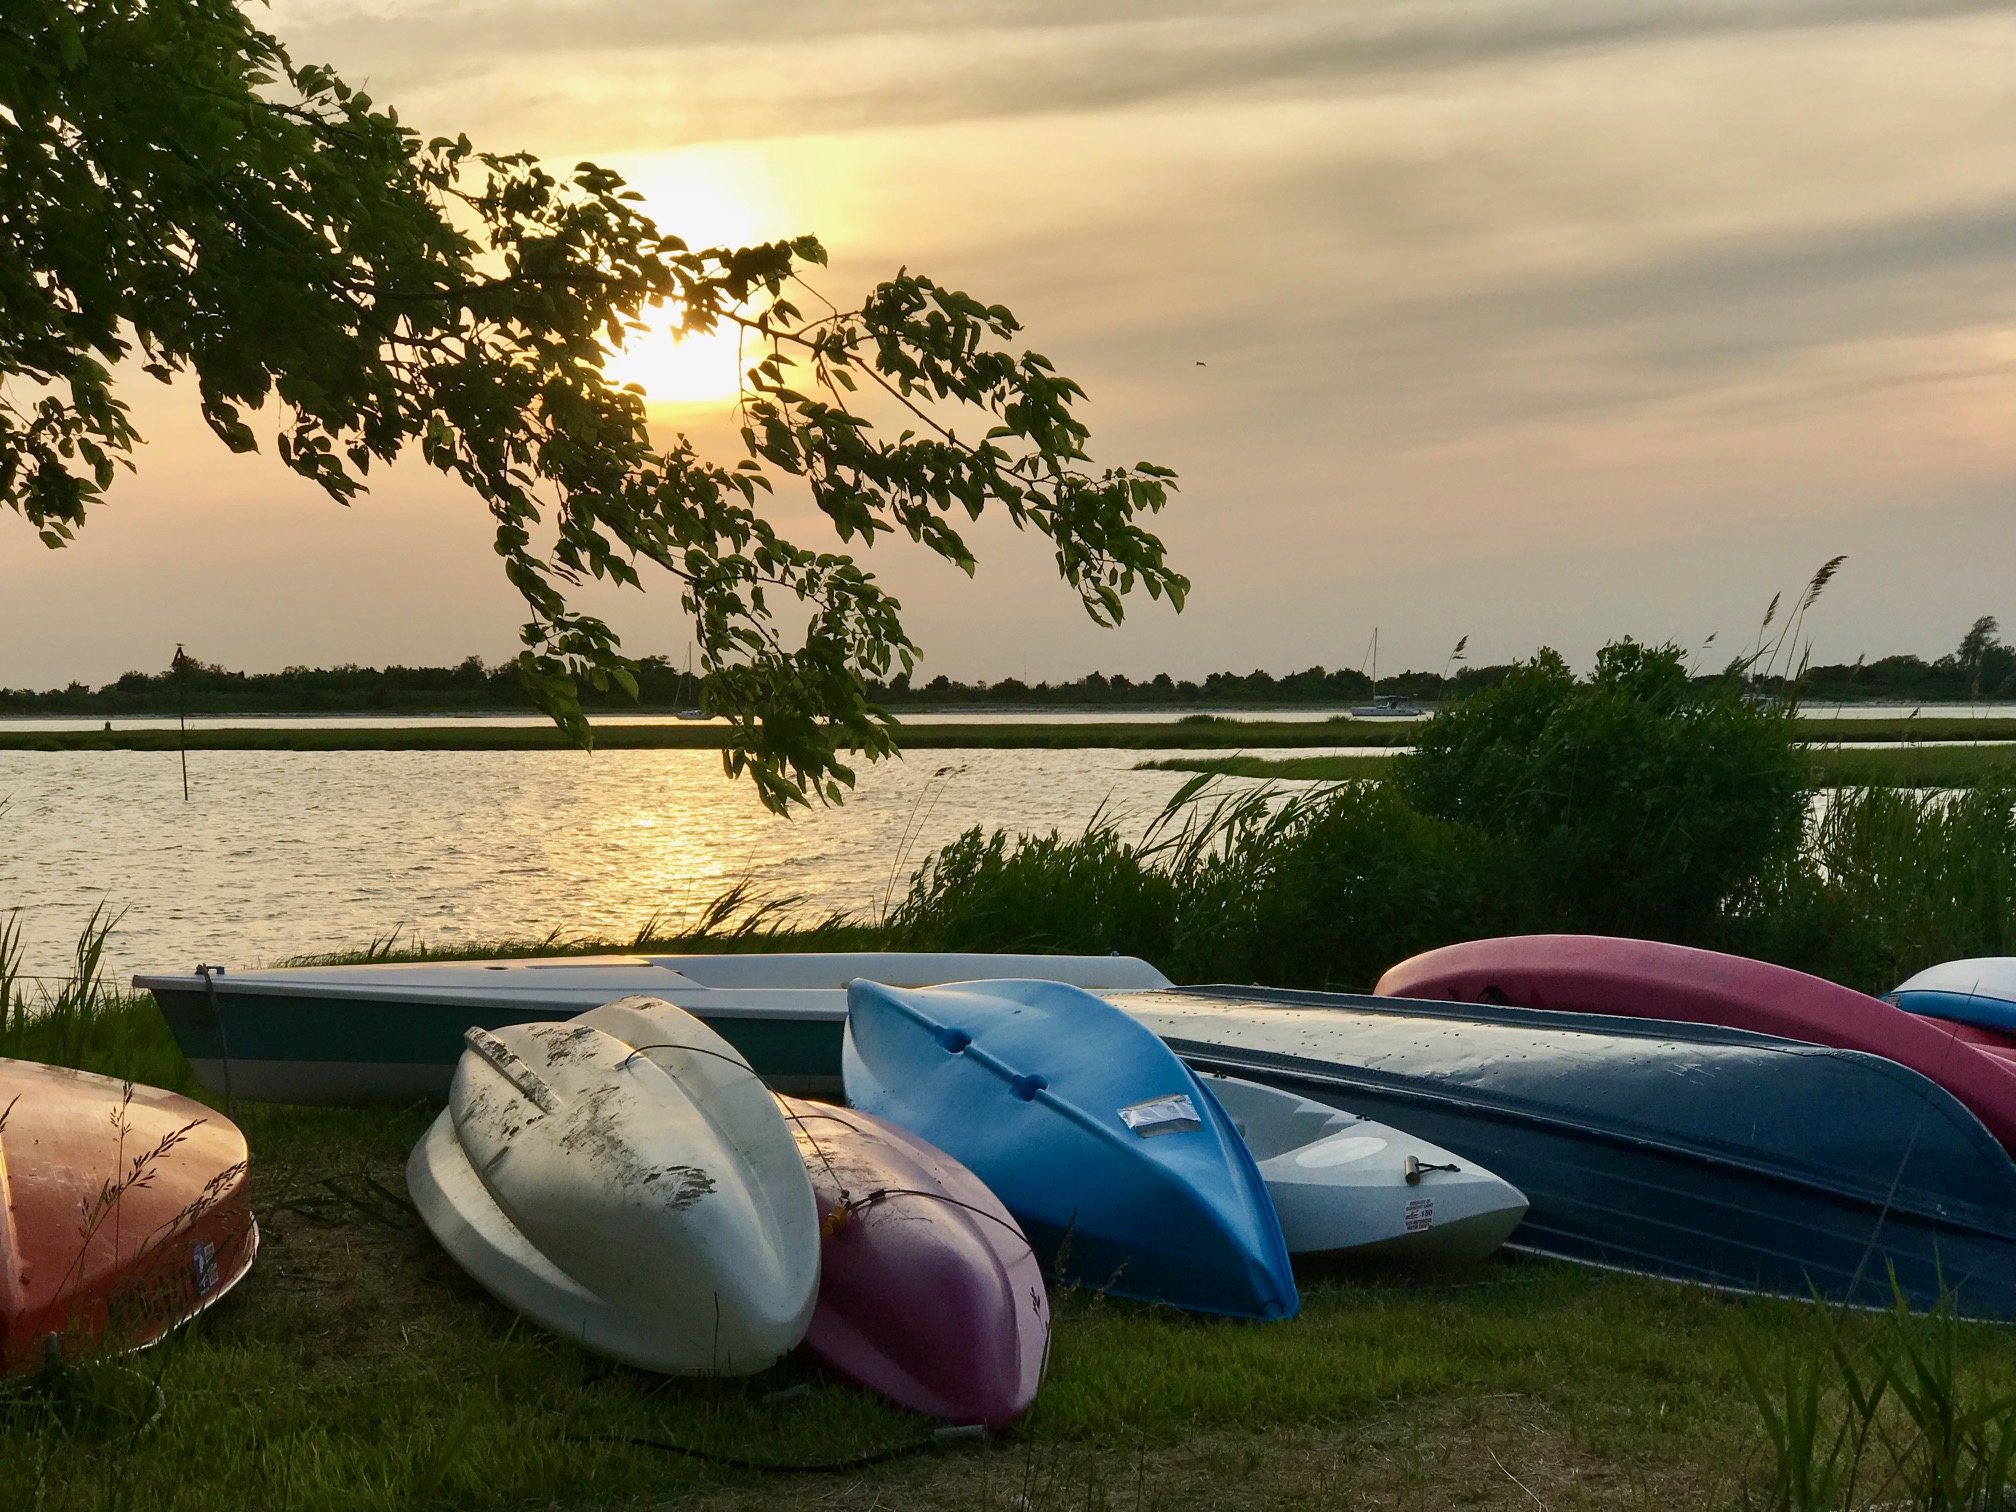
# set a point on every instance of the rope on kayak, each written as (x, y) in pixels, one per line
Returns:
(941, 1438)
(849, 1204)
(881, 1192)
(828, 1226)
(209, 975)
(733, 1060)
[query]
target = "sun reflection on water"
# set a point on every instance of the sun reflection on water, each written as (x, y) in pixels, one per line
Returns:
(285, 853)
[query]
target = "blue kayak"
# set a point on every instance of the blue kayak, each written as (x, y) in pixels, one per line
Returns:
(1112, 1155)
(1980, 993)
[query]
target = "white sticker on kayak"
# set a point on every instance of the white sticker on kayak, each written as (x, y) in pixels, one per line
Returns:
(203, 1260)
(1173, 1114)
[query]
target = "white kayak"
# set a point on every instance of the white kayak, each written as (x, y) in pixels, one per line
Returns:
(652, 1207)
(1343, 1185)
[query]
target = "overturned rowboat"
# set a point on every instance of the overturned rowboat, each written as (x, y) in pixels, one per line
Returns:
(1736, 1160)
(1650, 979)
(393, 1032)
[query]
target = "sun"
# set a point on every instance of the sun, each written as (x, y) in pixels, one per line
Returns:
(680, 370)
(709, 198)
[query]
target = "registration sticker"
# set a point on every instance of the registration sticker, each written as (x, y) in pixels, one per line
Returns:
(203, 1261)
(1420, 1214)
(1174, 1114)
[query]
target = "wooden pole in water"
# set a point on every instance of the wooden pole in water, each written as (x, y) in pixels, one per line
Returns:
(178, 669)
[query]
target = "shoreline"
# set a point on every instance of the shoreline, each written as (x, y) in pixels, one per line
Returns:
(1230, 735)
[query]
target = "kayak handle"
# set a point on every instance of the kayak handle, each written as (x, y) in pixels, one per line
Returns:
(506, 1063)
(1413, 1170)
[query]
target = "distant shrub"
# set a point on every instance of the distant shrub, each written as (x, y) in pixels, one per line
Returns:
(1641, 798)
(1331, 888)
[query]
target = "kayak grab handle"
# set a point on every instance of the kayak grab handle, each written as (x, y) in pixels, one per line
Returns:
(506, 1063)
(1412, 1170)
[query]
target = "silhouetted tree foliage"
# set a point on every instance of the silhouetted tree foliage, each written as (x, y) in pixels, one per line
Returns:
(177, 194)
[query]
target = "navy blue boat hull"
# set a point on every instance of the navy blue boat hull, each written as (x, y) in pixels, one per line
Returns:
(1728, 1159)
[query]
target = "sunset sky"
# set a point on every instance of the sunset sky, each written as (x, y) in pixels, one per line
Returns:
(1537, 321)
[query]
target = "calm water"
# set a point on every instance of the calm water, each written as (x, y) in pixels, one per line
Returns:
(283, 853)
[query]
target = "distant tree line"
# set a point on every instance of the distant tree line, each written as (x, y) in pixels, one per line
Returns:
(1316, 685)
(197, 687)
(472, 685)
(1980, 667)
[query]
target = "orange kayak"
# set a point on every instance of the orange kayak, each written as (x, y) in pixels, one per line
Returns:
(124, 1211)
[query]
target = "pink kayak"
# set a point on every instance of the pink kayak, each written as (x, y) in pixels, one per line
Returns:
(1645, 979)
(928, 1292)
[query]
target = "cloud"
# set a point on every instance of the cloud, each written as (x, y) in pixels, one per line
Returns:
(710, 72)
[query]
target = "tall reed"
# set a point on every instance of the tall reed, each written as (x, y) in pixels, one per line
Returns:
(1898, 1410)
(1328, 886)
(13, 950)
(81, 1019)
(1888, 882)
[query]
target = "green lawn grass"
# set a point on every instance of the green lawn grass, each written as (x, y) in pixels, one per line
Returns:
(357, 1367)
(1905, 766)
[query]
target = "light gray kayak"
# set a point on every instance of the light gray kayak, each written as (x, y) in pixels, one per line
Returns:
(1346, 1186)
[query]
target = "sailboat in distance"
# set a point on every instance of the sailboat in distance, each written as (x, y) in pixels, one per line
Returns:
(693, 711)
(1388, 706)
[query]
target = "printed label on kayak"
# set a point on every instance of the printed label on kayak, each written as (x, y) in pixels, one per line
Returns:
(1420, 1214)
(1162, 1115)
(203, 1260)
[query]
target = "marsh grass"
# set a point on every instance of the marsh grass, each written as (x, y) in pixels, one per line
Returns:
(79, 1019)
(1888, 882)
(742, 918)
(1327, 886)
(1902, 766)
(1895, 1409)
(1306, 889)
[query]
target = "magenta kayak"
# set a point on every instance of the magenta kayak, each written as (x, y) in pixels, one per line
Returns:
(928, 1292)
(1647, 979)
